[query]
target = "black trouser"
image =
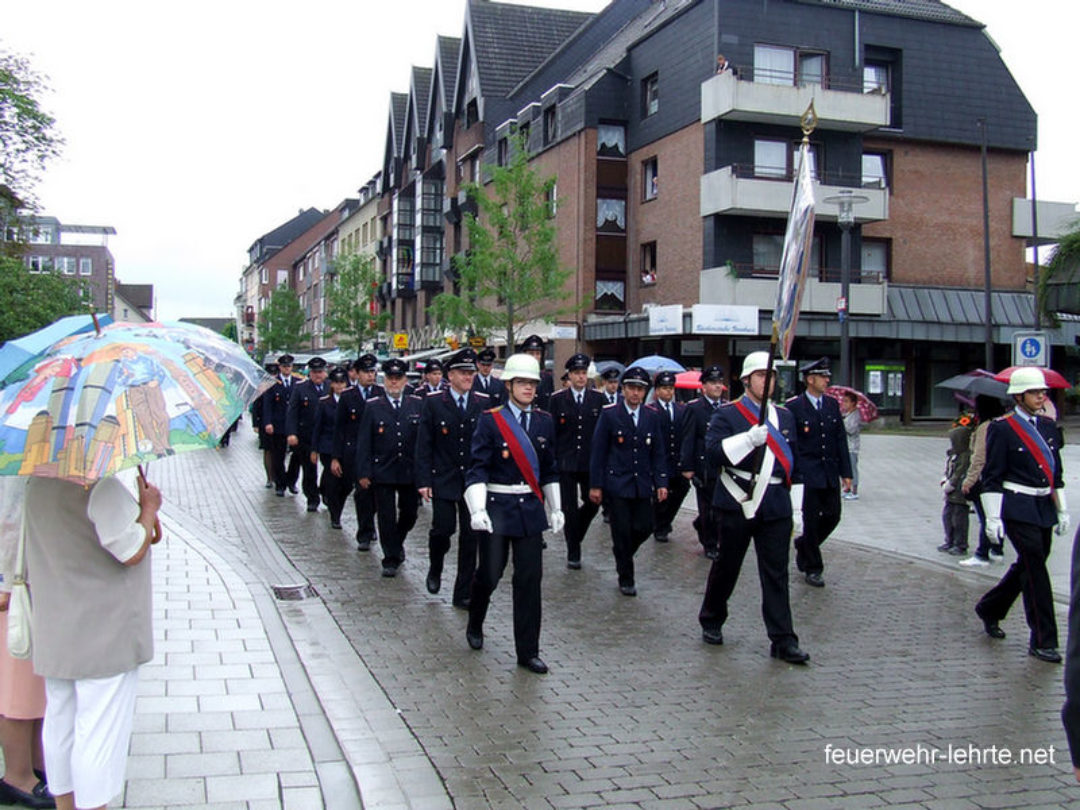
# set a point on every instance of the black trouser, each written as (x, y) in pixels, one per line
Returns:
(667, 509)
(821, 513)
(708, 531)
(310, 469)
(771, 547)
(572, 487)
(528, 571)
(631, 525)
(396, 506)
(363, 503)
(334, 489)
(444, 515)
(1027, 576)
(283, 478)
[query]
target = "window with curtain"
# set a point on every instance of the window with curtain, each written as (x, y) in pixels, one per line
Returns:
(611, 215)
(774, 64)
(611, 140)
(610, 296)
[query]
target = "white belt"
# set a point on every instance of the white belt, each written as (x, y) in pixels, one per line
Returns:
(745, 476)
(509, 489)
(1023, 489)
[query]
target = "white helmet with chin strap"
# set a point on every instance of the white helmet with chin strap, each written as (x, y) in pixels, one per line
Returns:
(1026, 379)
(521, 367)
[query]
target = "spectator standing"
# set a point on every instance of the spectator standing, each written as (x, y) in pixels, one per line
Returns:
(986, 410)
(849, 407)
(954, 517)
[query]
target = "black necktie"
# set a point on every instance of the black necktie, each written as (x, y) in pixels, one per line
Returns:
(525, 421)
(461, 404)
(366, 392)
(397, 404)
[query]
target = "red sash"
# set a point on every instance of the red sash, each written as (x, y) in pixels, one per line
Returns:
(1032, 445)
(518, 453)
(775, 440)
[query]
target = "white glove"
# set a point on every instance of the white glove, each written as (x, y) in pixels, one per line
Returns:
(738, 447)
(553, 505)
(758, 434)
(476, 500)
(991, 504)
(796, 509)
(1064, 521)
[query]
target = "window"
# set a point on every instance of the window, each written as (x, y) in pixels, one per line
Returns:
(648, 263)
(875, 78)
(882, 74)
(472, 113)
(264, 276)
(813, 69)
(523, 133)
(774, 65)
(551, 199)
(769, 248)
(66, 265)
(649, 179)
(363, 234)
(550, 125)
(502, 152)
(650, 95)
(41, 235)
(610, 216)
(86, 266)
(875, 258)
(39, 264)
(611, 140)
(771, 158)
(610, 296)
(875, 170)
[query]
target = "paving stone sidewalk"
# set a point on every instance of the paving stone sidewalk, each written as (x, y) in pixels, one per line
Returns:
(637, 712)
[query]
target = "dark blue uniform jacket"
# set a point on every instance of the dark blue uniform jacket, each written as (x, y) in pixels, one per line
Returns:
(823, 452)
(444, 442)
(1008, 459)
(628, 461)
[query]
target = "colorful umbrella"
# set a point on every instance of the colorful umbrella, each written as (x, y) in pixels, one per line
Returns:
(17, 356)
(96, 403)
(867, 409)
(1053, 378)
(655, 362)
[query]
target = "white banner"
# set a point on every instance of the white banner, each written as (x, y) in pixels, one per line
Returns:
(724, 319)
(666, 320)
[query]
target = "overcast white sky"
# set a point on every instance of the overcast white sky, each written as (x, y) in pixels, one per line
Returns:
(193, 128)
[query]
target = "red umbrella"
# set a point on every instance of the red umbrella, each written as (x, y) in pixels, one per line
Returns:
(1053, 379)
(688, 379)
(867, 409)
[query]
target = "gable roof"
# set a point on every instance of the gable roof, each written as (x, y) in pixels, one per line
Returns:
(420, 93)
(446, 59)
(932, 10)
(283, 234)
(399, 107)
(508, 42)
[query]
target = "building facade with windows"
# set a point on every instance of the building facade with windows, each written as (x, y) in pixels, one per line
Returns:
(79, 252)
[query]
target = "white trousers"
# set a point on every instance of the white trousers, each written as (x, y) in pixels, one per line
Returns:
(86, 734)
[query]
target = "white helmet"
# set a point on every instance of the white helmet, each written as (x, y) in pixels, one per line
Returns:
(755, 361)
(521, 367)
(1025, 379)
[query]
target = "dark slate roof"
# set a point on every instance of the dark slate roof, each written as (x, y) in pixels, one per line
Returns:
(449, 48)
(399, 108)
(421, 87)
(958, 306)
(510, 41)
(213, 324)
(138, 295)
(283, 234)
(932, 10)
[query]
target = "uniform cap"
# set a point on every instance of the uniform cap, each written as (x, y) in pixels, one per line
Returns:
(636, 375)
(713, 373)
(486, 356)
(432, 365)
(819, 366)
(533, 343)
(337, 374)
(316, 364)
(610, 373)
(578, 362)
(394, 367)
(365, 362)
(285, 360)
(1027, 378)
(521, 367)
(665, 378)
(755, 361)
(464, 360)
(271, 368)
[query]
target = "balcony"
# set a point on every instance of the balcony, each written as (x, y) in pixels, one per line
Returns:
(738, 190)
(750, 287)
(838, 107)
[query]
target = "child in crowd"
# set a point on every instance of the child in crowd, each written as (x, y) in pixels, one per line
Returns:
(954, 517)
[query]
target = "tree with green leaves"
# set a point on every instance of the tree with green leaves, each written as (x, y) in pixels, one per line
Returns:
(30, 301)
(281, 324)
(28, 137)
(352, 311)
(230, 331)
(510, 274)
(1059, 280)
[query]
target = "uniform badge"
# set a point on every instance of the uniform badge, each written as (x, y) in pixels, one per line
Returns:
(381, 429)
(619, 438)
(445, 430)
(648, 440)
(505, 453)
(806, 428)
(562, 420)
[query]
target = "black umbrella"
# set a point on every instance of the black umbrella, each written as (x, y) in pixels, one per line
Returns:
(973, 386)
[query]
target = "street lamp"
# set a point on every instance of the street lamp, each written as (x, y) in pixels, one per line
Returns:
(845, 202)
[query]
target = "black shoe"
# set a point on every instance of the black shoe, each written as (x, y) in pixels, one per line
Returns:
(662, 538)
(815, 579)
(363, 545)
(280, 493)
(946, 547)
(991, 626)
(534, 664)
(574, 565)
(293, 489)
(712, 636)
(313, 507)
(712, 553)
(956, 551)
(462, 604)
(628, 590)
(1048, 654)
(269, 485)
(475, 638)
(389, 570)
(433, 582)
(790, 653)
(335, 524)
(38, 797)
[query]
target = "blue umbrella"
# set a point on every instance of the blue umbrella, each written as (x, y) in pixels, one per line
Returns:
(18, 352)
(654, 363)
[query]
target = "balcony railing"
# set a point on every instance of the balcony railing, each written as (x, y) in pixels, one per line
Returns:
(825, 274)
(750, 171)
